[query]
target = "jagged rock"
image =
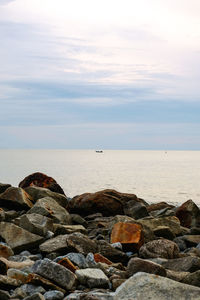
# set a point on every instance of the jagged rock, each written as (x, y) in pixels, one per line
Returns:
(174, 275)
(65, 262)
(67, 229)
(16, 264)
(140, 265)
(36, 296)
(184, 264)
(4, 295)
(108, 202)
(135, 210)
(53, 295)
(55, 272)
(150, 286)
(50, 208)
(92, 277)
(41, 180)
(35, 223)
(165, 232)
(189, 214)
(79, 242)
(17, 274)
(5, 250)
(128, 234)
(38, 193)
(57, 244)
(36, 279)
(159, 248)
(78, 259)
(158, 206)
(192, 278)
(26, 290)
(115, 255)
(100, 258)
(8, 283)
(18, 238)
(15, 198)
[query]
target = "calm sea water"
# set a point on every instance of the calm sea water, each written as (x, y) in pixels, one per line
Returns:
(172, 176)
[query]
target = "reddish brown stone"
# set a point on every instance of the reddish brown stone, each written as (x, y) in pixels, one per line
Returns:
(67, 264)
(41, 180)
(108, 202)
(188, 214)
(158, 206)
(128, 233)
(100, 258)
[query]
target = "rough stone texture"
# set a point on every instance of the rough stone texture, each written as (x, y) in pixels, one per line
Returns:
(65, 262)
(53, 295)
(174, 275)
(111, 253)
(191, 240)
(78, 242)
(50, 208)
(148, 286)
(54, 272)
(36, 296)
(189, 214)
(4, 295)
(92, 295)
(17, 274)
(165, 232)
(41, 180)
(128, 233)
(140, 265)
(17, 264)
(92, 277)
(36, 279)
(100, 258)
(67, 229)
(15, 198)
(5, 250)
(78, 259)
(108, 202)
(26, 290)
(36, 223)
(56, 244)
(18, 238)
(3, 187)
(184, 264)
(158, 206)
(193, 278)
(8, 283)
(159, 248)
(135, 209)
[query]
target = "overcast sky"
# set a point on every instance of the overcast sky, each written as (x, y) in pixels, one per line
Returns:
(93, 74)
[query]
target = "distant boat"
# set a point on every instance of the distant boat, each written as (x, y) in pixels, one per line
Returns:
(99, 151)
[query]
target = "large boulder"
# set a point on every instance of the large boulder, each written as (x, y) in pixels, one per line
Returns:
(16, 198)
(108, 202)
(41, 180)
(189, 214)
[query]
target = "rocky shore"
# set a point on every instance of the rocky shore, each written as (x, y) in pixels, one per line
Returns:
(104, 245)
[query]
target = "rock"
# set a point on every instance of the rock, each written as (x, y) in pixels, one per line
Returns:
(50, 208)
(91, 295)
(100, 258)
(8, 283)
(2, 215)
(67, 229)
(53, 295)
(4, 295)
(17, 265)
(158, 206)
(117, 282)
(15, 198)
(140, 265)
(192, 278)
(115, 255)
(3, 268)
(128, 234)
(3, 187)
(78, 242)
(36, 296)
(78, 259)
(65, 262)
(18, 238)
(165, 232)
(189, 214)
(57, 244)
(165, 212)
(26, 290)
(181, 243)
(195, 231)
(41, 180)
(135, 209)
(92, 277)
(17, 274)
(36, 279)
(12, 214)
(159, 248)
(77, 219)
(183, 264)
(55, 272)
(108, 202)
(5, 250)
(191, 240)
(151, 287)
(174, 275)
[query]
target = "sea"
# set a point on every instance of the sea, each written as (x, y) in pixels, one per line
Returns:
(171, 176)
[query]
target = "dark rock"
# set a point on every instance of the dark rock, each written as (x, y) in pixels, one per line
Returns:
(183, 264)
(115, 255)
(181, 243)
(195, 231)
(2, 215)
(3, 187)
(165, 232)
(135, 209)
(77, 219)
(158, 206)
(7, 283)
(41, 180)
(67, 229)
(189, 214)
(16, 198)
(36, 224)
(26, 290)
(4, 295)
(191, 240)
(3, 268)
(78, 259)
(5, 250)
(36, 279)
(159, 248)
(78, 242)
(140, 265)
(165, 212)
(192, 278)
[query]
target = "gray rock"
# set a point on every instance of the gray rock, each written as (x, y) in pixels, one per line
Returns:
(67, 229)
(79, 242)
(36, 223)
(50, 208)
(92, 295)
(55, 272)
(56, 244)
(18, 238)
(53, 295)
(180, 242)
(148, 286)
(135, 210)
(36, 296)
(91, 261)
(192, 278)
(14, 197)
(4, 295)
(26, 290)
(92, 277)
(140, 265)
(78, 259)
(184, 264)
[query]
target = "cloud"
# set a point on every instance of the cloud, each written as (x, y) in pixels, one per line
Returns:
(5, 2)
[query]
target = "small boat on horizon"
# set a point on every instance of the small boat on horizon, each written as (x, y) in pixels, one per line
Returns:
(99, 151)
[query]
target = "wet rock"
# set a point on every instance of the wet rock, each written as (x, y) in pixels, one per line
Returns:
(18, 238)
(50, 208)
(3, 187)
(4, 295)
(36, 223)
(128, 234)
(41, 180)
(184, 264)
(135, 209)
(5, 250)
(67, 229)
(26, 290)
(192, 278)
(140, 265)
(189, 214)
(92, 277)
(53, 295)
(16, 198)
(165, 232)
(108, 202)
(36, 296)
(159, 248)
(115, 255)
(149, 286)
(55, 272)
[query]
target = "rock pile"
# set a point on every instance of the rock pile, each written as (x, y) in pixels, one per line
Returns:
(104, 245)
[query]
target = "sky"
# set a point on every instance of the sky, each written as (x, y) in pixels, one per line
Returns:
(109, 74)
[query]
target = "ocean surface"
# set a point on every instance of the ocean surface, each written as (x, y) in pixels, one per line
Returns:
(171, 176)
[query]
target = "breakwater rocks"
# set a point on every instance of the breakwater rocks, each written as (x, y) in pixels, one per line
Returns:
(104, 245)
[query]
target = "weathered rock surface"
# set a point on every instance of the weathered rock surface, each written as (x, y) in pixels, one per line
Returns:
(192, 278)
(158, 206)
(41, 180)
(36, 223)
(67, 229)
(135, 209)
(115, 255)
(3, 187)
(189, 214)
(151, 287)
(5, 250)
(53, 295)
(36, 296)
(184, 264)
(78, 242)
(15, 198)
(92, 277)
(4, 295)
(165, 232)
(57, 244)
(8, 283)
(140, 265)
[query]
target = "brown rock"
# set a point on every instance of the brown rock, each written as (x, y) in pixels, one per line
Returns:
(128, 234)
(100, 258)
(67, 264)
(189, 214)
(140, 265)
(41, 180)
(36, 279)
(158, 206)
(16, 198)
(159, 248)
(183, 264)
(115, 255)
(5, 250)
(17, 264)
(108, 202)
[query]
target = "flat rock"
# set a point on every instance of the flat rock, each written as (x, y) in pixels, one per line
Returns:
(159, 248)
(67, 229)
(36, 223)
(189, 214)
(14, 197)
(18, 238)
(41, 180)
(184, 264)
(79, 242)
(92, 277)
(48, 207)
(55, 272)
(57, 244)
(140, 265)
